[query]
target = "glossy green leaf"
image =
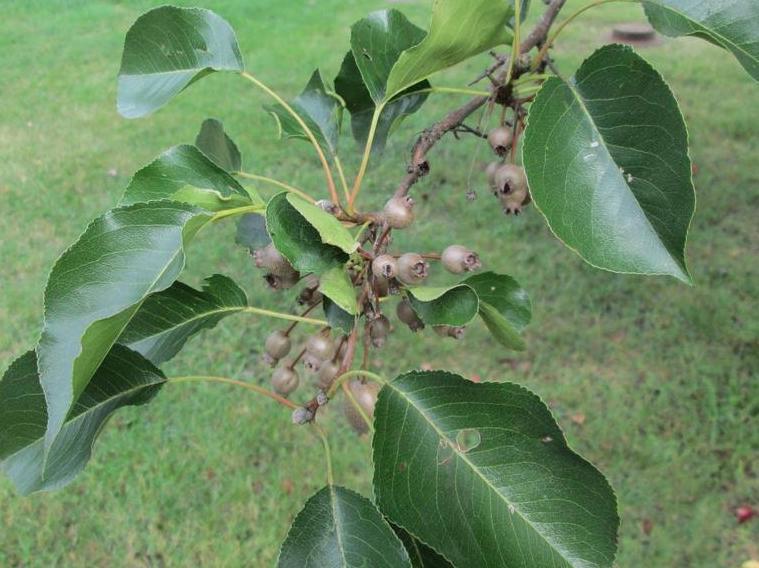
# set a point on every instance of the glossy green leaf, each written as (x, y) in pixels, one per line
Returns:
(319, 108)
(184, 173)
(504, 306)
(216, 144)
(166, 50)
(98, 285)
(124, 379)
(459, 29)
(329, 228)
(606, 157)
(482, 473)
(297, 240)
(456, 305)
(421, 555)
(337, 317)
(338, 528)
(337, 286)
(167, 319)
(350, 85)
(251, 231)
(732, 24)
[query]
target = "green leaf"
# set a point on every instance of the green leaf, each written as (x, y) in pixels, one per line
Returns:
(297, 240)
(166, 50)
(350, 85)
(218, 146)
(319, 108)
(251, 231)
(731, 24)
(456, 305)
(340, 528)
(482, 473)
(337, 286)
(337, 317)
(183, 173)
(167, 319)
(124, 379)
(606, 157)
(421, 555)
(98, 285)
(329, 228)
(504, 306)
(459, 29)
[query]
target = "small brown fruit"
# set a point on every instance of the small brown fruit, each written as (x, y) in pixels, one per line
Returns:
(500, 139)
(490, 173)
(320, 346)
(284, 380)
(277, 345)
(378, 331)
(407, 315)
(516, 200)
(458, 259)
(412, 268)
(452, 331)
(365, 395)
(398, 212)
(327, 374)
(509, 178)
(385, 265)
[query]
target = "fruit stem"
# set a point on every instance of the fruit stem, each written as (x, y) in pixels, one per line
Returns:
(281, 315)
(291, 327)
(355, 373)
(365, 158)
(278, 183)
(341, 173)
(255, 388)
(327, 452)
(325, 165)
(237, 211)
(515, 45)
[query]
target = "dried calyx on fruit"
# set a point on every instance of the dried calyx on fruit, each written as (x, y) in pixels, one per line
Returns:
(398, 212)
(385, 265)
(280, 274)
(285, 380)
(365, 395)
(453, 331)
(407, 315)
(412, 268)
(500, 139)
(509, 178)
(458, 259)
(328, 206)
(311, 363)
(514, 202)
(302, 415)
(378, 330)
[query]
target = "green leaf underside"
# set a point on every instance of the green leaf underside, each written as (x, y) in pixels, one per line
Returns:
(456, 305)
(216, 144)
(337, 317)
(606, 159)
(98, 285)
(459, 29)
(504, 307)
(518, 496)
(320, 109)
(330, 229)
(297, 240)
(338, 528)
(251, 231)
(183, 173)
(337, 286)
(421, 555)
(167, 49)
(350, 85)
(732, 24)
(124, 379)
(167, 319)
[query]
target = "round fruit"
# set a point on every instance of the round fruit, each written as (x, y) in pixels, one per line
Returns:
(385, 265)
(412, 268)
(320, 346)
(378, 330)
(510, 178)
(302, 415)
(453, 331)
(277, 345)
(407, 315)
(271, 259)
(398, 212)
(284, 380)
(500, 139)
(490, 173)
(327, 374)
(312, 363)
(458, 259)
(365, 394)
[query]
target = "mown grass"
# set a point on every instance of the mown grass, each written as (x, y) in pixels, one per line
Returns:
(664, 375)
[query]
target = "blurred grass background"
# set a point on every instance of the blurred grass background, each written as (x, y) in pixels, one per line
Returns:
(653, 381)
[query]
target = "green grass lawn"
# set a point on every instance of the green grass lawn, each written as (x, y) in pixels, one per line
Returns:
(664, 374)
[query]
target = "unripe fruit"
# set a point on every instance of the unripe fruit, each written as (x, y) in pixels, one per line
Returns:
(271, 259)
(407, 315)
(365, 395)
(277, 345)
(284, 380)
(327, 374)
(311, 363)
(514, 202)
(490, 173)
(302, 415)
(378, 330)
(452, 331)
(398, 212)
(458, 259)
(412, 268)
(510, 178)
(385, 265)
(320, 346)
(277, 282)
(500, 139)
